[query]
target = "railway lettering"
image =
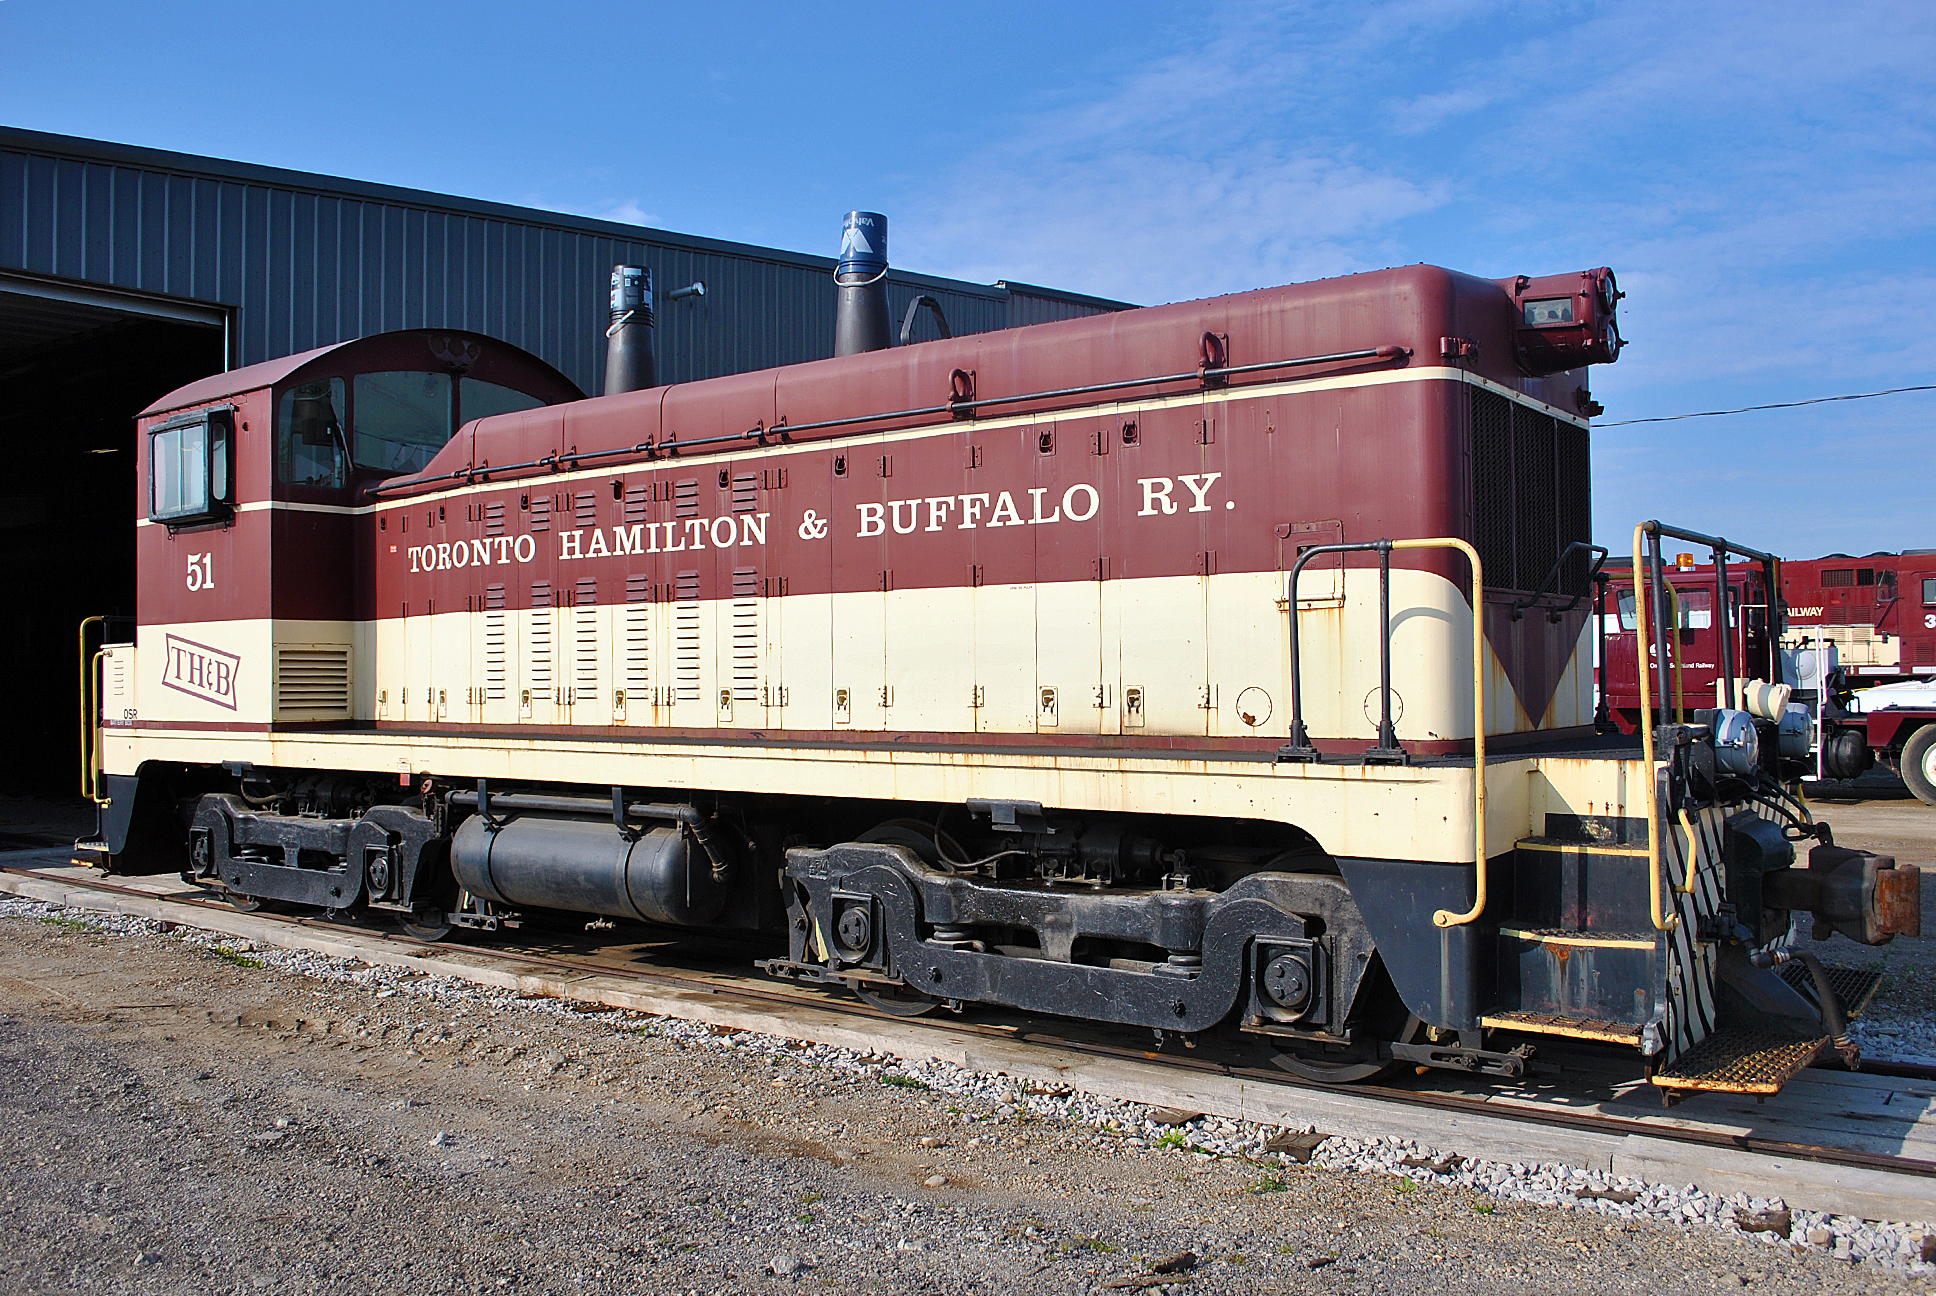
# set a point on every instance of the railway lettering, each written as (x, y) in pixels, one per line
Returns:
(473, 553)
(200, 671)
(1079, 503)
(744, 530)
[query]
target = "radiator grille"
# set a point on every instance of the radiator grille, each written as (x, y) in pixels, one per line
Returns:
(312, 679)
(1531, 494)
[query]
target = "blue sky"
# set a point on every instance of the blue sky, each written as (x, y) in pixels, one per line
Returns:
(1761, 176)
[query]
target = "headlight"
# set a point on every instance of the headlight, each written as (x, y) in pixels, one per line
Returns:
(1737, 747)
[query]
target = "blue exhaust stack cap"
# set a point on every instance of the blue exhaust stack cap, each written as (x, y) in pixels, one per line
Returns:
(863, 244)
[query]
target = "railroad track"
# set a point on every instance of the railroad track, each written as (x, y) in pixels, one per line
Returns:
(1441, 1094)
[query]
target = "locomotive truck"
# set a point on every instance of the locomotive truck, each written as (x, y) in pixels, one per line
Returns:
(1212, 668)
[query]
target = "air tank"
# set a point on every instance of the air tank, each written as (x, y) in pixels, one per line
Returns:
(587, 866)
(629, 365)
(860, 315)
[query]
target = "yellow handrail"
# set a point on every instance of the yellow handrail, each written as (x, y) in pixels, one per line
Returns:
(1663, 921)
(1445, 917)
(90, 738)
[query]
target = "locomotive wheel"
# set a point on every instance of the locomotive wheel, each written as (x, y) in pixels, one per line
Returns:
(425, 924)
(934, 848)
(1358, 1062)
(1919, 764)
(897, 1001)
(1341, 1066)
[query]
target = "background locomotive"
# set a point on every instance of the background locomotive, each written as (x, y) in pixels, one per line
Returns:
(1211, 666)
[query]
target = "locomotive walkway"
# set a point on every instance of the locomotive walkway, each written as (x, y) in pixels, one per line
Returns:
(1859, 1144)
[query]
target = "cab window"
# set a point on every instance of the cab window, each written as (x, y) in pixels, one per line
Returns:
(402, 419)
(1929, 591)
(188, 468)
(1696, 609)
(479, 399)
(311, 446)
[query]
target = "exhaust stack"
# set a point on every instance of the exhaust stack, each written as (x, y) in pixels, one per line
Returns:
(629, 365)
(860, 317)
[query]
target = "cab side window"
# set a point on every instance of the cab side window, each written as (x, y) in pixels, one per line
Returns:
(311, 445)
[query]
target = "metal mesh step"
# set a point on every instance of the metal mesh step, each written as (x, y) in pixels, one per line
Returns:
(1741, 1061)
(1853, 986)
(1571, 1027)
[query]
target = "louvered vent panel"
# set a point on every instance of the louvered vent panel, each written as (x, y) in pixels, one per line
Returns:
(585, 637)
(638, 649)
(584, 508)
(746, 634)
(746, 492)
(636, 498)
(494, 650)
(541, 512)
(685, 634)
(1492, 483)
(312, 679)
(494, 598)
(540, 635)
(685, 498)
(494, 518)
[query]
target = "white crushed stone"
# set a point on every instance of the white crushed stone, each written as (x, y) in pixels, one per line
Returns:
(1004, 1101)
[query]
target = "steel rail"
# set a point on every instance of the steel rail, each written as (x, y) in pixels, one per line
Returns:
(749, 987)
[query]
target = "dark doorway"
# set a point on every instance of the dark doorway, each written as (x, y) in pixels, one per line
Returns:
(72, 379)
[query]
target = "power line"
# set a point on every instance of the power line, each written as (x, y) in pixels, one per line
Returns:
(1750, 409)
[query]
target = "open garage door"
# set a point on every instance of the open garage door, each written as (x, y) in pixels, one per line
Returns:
(77, 361)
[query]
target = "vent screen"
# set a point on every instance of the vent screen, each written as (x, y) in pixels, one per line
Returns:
(1531, 495)
(309, 680)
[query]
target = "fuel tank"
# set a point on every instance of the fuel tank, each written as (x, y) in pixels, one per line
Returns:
(585, 865)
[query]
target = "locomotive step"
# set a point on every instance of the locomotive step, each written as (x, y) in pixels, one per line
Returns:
(1854, 987)
(1566, 884)
(1586, 1028)
(1739, 1060)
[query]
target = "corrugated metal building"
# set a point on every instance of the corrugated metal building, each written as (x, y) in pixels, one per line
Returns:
(126, 272)
(291, 261)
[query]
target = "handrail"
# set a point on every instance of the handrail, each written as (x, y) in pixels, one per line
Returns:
(1663, 921)
(1388, 749)
(1673, 641)
(97, 677)
(1445, 917)
(1592, 572)
(89, 739)
(954, 408)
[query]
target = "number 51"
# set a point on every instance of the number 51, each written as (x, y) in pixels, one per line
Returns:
(201, 571)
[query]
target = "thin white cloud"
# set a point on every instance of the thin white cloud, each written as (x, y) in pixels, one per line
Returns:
(627, 212)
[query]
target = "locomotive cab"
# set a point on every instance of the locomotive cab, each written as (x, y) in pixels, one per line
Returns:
(255, 539)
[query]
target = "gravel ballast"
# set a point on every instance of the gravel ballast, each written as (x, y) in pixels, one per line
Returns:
(195, 1113)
